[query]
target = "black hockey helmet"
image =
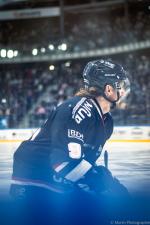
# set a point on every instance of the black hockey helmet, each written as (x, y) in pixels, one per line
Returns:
(100, 73)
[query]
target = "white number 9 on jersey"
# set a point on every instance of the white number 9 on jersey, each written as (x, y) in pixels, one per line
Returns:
(74, 150)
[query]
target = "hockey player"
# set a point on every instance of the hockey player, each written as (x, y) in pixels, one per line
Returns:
(63, 156)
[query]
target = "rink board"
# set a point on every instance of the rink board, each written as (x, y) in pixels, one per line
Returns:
(120, 133)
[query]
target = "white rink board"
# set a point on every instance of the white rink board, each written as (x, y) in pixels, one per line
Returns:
(131, 133)
(120, 133)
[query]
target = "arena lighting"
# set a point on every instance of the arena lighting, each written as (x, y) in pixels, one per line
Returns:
(10, 54)
(34, 51)
(43, 50)
(15, 53)
(51, 67)
(51, 47)
(3, 53)
(63, 46)
(4, 100)
(67, 64)
(59, 47)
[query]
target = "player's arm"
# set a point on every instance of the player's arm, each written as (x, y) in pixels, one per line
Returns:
(80, 150)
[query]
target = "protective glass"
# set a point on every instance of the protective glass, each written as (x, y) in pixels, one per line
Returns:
(124, 89)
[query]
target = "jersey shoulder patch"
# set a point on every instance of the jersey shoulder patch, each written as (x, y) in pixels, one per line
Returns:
(82, 110)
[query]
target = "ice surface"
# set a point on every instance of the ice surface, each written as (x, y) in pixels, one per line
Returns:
(129, 162)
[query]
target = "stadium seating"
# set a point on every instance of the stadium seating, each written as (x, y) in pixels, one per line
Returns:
(23, 85)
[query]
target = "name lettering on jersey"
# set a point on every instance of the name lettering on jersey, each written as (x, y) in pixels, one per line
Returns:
(83, 110)
(75, 134)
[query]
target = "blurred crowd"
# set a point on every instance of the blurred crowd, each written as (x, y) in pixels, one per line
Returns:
(85, 32)
(23, 91)
(20, 89)
(137, 107)
(108, 30)
(29, 91)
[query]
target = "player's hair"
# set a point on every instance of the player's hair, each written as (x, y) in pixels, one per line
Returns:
(90, 92)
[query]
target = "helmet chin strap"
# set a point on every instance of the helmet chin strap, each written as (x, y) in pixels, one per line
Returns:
(113, 103)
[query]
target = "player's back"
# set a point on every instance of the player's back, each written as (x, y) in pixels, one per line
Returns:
(78, 120)
(32, 158)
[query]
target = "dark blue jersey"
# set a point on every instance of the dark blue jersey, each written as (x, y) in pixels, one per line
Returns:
(68, 144)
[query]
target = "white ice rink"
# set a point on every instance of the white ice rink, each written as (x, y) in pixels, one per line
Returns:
(128, 161)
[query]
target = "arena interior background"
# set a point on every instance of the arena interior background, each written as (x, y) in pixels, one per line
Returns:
(44, 46)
